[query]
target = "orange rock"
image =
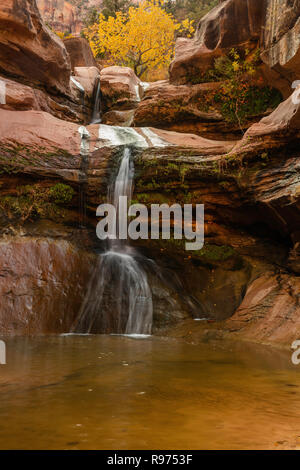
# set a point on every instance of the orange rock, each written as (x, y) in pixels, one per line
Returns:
(80, 52)
(43, 282)
(233, 23)
(270, 311)
(29, 51)
(120, 88)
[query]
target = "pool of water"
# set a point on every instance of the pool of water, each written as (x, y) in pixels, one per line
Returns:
(114, 392)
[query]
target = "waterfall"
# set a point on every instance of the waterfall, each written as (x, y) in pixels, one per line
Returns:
(119, 298)
(96, 116)
(83, 179)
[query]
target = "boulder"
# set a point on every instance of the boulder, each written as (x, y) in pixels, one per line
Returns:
(118, 118)
(233, 23)
(80, 53)
(29, 51)
(120, 88)
(19, 97)
(88, 77)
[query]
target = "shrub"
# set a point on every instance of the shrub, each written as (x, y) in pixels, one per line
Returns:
(61, 193)
(241, 93)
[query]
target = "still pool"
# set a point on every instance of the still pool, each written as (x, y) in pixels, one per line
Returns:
(117, 392)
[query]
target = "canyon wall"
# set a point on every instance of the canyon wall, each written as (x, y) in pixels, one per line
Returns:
(66, 16)
(246, 278)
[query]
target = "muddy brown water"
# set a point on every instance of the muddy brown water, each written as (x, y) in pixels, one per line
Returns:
(116, 392)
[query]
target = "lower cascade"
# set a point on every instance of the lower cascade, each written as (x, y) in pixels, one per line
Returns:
(96, 116)
(119, 298)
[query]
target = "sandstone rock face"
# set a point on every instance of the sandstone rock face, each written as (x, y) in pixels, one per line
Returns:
(19, 97)
(184, 108)
(51, 147)
(80, 52)
(120, 88)
(281, 43)
(61, 15)
(271, 24)
(29, 51)
(43, 283)
(270, 311)
(88, 77)
(233, 23)
(22, 97)
(40, 66)
(118, 118)
(280, 39)
(38, 130)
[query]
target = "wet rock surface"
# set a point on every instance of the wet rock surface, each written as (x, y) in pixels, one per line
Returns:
(42, 284)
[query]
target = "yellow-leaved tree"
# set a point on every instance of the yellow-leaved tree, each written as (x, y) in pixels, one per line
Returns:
(143, 38)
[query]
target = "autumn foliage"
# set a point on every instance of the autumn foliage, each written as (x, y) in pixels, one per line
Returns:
(242, 92)
(143, 38)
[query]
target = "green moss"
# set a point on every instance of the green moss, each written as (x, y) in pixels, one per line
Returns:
(210, 253)
(216, 252)
(36, 201)
(61, 193)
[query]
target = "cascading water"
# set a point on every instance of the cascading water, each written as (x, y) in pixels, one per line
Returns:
(96, 117)
(119, 298)
(84, 153)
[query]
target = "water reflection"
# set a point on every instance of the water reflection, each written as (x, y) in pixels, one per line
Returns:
(107, 392)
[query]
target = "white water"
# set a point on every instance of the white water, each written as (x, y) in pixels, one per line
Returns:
(119, 298)
(2, 92)
(96, 117)
(77, 84)
(155, 140)
(141, 89)
(116, 136)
